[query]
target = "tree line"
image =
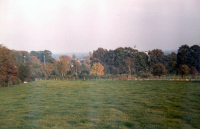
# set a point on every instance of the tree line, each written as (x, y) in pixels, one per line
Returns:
(130, 61)
(19, 66)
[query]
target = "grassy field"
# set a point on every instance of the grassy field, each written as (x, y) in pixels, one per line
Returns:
(101, 104)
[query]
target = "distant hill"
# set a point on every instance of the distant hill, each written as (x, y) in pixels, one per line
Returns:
(169, 51)
(78, 55)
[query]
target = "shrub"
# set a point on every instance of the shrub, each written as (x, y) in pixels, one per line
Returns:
(145, 75)
(16, 81)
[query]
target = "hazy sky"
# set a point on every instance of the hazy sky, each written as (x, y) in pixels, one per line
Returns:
(63, 26)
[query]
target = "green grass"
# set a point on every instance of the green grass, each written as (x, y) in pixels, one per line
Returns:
(101, 104)
(176, 77)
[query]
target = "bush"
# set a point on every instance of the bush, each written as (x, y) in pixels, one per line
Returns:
(16, 81)
(85, 72)
(145, 75)
(69, 73)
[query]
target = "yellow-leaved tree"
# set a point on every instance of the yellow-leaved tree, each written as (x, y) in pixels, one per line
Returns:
(97, 69)
(63, 65)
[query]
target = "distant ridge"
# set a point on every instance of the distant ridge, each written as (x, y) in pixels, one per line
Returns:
(78, 55)
(169, 51)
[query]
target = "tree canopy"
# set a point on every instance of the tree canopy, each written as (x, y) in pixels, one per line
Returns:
(7, 68)
(159, 70)
(22, 65)
(97, 69)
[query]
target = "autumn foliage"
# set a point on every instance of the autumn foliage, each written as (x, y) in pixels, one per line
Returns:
(22, 66)
(183, 70)
(97, 69)
(8, 71)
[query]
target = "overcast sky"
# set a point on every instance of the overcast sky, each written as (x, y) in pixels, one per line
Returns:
(63, 26)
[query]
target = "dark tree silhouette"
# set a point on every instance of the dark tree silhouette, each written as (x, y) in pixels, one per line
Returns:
(159, 70)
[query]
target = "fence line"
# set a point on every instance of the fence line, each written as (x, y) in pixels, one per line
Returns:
(108, 78)
(136, 79)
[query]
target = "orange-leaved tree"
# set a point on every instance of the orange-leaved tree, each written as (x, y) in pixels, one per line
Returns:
(8, 71)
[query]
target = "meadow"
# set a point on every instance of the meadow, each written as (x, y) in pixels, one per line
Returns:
(113, 104)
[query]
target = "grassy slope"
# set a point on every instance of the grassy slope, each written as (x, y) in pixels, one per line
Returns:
(101, 104)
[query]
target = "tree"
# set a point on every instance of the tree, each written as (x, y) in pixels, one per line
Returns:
(63, 65)
(48, 68)
(196, 55)
(141, 63)
(12, 71)
(7, 68)
(98, 56)
(118, 57)
(172, 63)
(184, 56)
(193, 71)
(34, 53)
(24, 71)
(75, 67)
(156, 56)
(97, 69)
(55, 68)
(85, 66)
(129, 63)
(36, 71)
(109, 62)
(45, 55)
(48, 56)
(88, 58)
(21, 57)
(34, 59)
(86, 72)
(183, 70)
(159, 70)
